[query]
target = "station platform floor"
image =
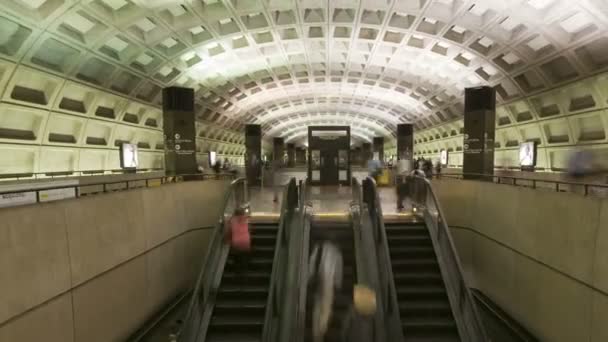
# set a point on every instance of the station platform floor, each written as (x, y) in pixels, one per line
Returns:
(324, 199)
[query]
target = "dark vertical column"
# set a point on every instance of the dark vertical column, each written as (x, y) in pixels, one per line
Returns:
(278, 150)
(300, 156)
(479, 130)
(179, 131)
(291, 155)
(405, 141)
(379, 147)
(253, 154)
(356, 156)
(366, 153)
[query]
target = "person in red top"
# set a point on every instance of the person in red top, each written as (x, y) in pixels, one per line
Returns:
(240, 240)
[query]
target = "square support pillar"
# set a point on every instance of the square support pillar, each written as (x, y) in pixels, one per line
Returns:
(179, 131)
(300, 156)
(378, 147)
(291, 155)
(278, 151)
(405, 141)
(253, 154)
(479, 131)
(366, 153)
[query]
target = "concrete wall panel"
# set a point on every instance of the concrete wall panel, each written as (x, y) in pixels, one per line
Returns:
(494, 270)
(455, 201)
(51, 322)
(599, 328)
(166, 269)
(541, 268)
(113, 306)
(495, 210)
(564, 308)
(202, 206)
(34, 261)
(566, 231)
(164, 213)
(104, 231)
(196, 250)
(105, 241)
(600, 277)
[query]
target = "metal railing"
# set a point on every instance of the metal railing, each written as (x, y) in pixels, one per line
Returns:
(71, 173)
(278, 317)
(211, 271)
(463, 305)
(388, 292)
(557, 185)
(43, 193)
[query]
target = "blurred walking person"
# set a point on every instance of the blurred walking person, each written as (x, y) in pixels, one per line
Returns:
(325, 270)
(358, 325)
(238, 236)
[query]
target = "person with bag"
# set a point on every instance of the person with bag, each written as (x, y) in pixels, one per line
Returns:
(358, 324)
(239, 238)
(325, 277)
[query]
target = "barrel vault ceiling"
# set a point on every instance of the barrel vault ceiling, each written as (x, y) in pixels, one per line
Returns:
(286, 64)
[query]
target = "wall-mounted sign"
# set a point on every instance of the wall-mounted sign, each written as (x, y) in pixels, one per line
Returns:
(56, 194)
(16, 199)
(129, 158)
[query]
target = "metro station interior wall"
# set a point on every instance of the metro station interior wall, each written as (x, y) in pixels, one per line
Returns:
(62, 129)
(95, 268)
(575, 114)
(541, 255)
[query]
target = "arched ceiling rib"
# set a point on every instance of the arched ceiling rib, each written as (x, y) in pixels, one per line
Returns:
(246, 56)
(371, 127)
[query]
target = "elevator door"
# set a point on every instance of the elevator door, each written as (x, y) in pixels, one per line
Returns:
(329, 167)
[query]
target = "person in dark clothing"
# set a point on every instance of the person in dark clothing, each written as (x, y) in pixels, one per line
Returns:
(358, 324)
(427, 167)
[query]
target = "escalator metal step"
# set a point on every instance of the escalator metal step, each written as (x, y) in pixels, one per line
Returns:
(235, 322)
(233, 337)
(407, 240)
(249, 308)
(412, 251)
(420, 292)
(416, 263)
(436, 308)
(429, 325)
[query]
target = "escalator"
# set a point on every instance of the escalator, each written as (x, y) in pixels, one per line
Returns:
(240, 305)
(342, 235)
(424, 307)
(425, 294)
(231, 302)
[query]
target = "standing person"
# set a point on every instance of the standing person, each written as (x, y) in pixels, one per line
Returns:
(325, 276)
(438, 168)
(403, 169)
(276, 179)
(239, 238)
(374, 168)
(427, 168)
(358, 325)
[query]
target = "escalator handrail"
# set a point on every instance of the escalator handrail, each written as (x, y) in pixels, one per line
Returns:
(300, 328)
(216, 245)
(391, 302)
(368, 276)
(461, 297)
(277, 283)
